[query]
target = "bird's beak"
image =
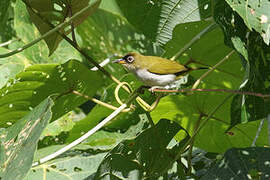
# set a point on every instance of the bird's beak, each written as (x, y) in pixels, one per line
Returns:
(119, 61)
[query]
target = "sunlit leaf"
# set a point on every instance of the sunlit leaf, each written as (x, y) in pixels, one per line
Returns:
(31, 87)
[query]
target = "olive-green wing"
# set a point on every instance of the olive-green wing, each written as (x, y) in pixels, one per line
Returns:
(164, 66)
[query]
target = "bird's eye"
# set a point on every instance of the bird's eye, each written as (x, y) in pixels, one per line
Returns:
(130, 59)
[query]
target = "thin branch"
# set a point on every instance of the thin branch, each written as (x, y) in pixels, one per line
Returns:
(194, 39)
(55, 29)
(258, 133)
(109, 106)
(214, 90)
(201, 126)
(196, 84)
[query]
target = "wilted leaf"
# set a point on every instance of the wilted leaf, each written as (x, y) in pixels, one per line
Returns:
(18, 143)
(56, 12)
(38, 53)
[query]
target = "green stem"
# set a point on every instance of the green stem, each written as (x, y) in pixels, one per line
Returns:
(55, 29)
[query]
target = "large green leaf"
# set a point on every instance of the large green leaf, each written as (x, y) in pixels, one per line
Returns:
(157, 19)
(145, 157)
(18, 143)
(244, 163)
(57, 12)
(37, 82)
(255, 15)
(255, 60)
(39, 52)
(191, 110)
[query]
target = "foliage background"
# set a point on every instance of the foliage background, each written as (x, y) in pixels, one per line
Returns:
(39, 114)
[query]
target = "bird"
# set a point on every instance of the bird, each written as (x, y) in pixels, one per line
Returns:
(154, 71)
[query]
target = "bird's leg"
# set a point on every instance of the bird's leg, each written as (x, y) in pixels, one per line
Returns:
(156, 87)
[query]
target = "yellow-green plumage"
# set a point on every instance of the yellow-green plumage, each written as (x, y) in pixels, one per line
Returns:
(153, 70)
(157, 65)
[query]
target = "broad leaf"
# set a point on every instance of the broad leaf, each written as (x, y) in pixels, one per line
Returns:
(255, 14)
(255, 59)
(157, 19)
(191, 110)
(244, 163)
(146, 156)
(6, 29)
(37, 82)
(18, 143)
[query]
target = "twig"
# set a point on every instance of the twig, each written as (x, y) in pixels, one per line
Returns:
(258, 133)
(201, 126)
(196, 84)
(109, 106)
(55, 29)
(194, 39)
(214, 90)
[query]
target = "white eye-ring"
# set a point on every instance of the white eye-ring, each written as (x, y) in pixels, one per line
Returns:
(130, 59)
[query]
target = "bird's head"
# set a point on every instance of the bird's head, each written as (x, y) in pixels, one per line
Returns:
(131, 61)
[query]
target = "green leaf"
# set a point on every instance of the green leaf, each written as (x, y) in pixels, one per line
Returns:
(74, 165)
(111, 6)
(255, 60)
(255, 14)
(57, 12)
(11, 66)
(157, 19)
(6, 26)
(244, 163)
(122, 122)
(146, 156)
(31, 87)
(191, 110)
(105, 34)
(18, 143)
(39, 52)
(104, 140)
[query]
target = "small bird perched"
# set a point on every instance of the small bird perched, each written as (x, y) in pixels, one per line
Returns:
(154, 71)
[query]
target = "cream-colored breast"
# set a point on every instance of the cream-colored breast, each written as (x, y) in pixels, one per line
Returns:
(151, 79)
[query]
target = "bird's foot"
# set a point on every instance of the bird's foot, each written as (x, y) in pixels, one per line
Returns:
(153, 88)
